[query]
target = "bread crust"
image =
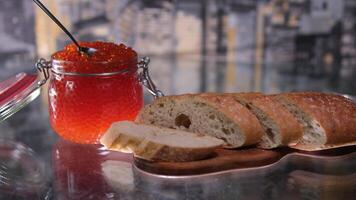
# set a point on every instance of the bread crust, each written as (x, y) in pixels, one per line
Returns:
(244, 118)
(246, 98)
(336, 114)
(324, 147)
(290, 129)
(167, 153)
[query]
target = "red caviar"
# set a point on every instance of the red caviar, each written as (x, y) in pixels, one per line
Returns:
(83, 102)
(109, 57)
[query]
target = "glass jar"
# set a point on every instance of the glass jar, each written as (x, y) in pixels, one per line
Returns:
(87, 93)
(82, 106)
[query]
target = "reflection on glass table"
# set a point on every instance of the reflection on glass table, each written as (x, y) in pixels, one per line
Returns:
(22, 174)
(90, 172)
(35, 164)
(77, 171)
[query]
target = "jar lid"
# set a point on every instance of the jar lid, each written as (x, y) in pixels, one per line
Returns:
(16, 92)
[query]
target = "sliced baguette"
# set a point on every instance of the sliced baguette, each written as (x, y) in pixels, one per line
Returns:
(220, 116)
(280, 126)
(328, 120)
(155, 143)
(246, 98)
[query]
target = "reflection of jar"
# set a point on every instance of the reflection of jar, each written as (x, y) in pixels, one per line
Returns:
(77, 170)
(82, 106)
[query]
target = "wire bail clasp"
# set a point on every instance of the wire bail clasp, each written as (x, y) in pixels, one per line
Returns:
(43, 66)
(145, 79)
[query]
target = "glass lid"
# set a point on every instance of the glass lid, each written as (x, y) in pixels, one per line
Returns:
(16, 92)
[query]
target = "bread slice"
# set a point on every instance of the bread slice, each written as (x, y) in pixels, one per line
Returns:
(328, 120)
(220, 116)
(280, 126)
(155, 143)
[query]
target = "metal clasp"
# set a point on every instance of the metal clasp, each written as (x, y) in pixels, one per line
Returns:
(43, 66)
(145, 79)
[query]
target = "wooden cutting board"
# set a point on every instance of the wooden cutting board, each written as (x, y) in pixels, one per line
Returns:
(225, 159)
(222, 159)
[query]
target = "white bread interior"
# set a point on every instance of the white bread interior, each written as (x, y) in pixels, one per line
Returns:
(156, 143)
(314, 135)
(218, 116)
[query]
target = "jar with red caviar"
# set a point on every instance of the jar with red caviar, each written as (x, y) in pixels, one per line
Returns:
(87, 93)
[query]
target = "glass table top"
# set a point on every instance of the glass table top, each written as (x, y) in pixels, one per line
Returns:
(36, 164)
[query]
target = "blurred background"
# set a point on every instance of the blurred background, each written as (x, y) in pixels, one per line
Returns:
(201, 45)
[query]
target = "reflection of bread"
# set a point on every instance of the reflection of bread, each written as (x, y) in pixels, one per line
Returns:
(321, 186)
(118, 175)
(328, 120)
(154, 143)
(217, 115)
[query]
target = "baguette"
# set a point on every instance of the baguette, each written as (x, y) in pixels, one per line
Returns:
(220, 116)
(246, 98)
(280, 126)
(154, 143)
(328, 120)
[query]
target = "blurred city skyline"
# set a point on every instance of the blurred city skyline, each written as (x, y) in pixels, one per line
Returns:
(230, 45)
